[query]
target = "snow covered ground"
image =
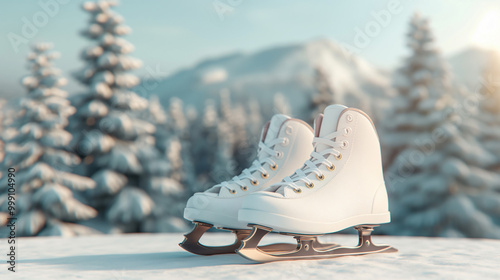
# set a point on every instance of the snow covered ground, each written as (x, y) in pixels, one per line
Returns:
(157, 256)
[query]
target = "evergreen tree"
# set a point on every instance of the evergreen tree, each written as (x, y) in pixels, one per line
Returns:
(204, 141)
(177, 119)
(255, 118)
(45, 201)
(489, 113)
(178, 144)
(424, 88)
(438, 182)
(324, 96)
(116, 142)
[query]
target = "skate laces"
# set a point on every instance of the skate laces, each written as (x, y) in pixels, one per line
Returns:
(264, 155)
(312, 165)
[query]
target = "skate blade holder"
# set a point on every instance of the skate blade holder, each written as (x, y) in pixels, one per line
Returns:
(308, 247)
(192, 243)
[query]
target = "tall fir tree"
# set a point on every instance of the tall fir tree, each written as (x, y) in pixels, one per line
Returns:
(424, 87)
(115, 140)
(204, 146)
(324, 95)
(178, 145)
(177, 119)
(38, 153)
(255, 117)
(438, 184)
(489, 113)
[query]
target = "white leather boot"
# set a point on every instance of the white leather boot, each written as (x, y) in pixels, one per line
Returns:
(285, 144)
(340, 186)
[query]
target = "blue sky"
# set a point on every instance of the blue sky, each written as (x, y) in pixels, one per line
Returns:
(170, 35)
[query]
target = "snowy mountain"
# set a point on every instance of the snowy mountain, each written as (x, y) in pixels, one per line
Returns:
(468, 65)
(287, 69)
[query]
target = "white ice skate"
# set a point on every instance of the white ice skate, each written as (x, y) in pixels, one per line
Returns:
(285, 144)
(340, 186)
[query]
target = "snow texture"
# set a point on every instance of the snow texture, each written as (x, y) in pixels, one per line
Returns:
(157, 256)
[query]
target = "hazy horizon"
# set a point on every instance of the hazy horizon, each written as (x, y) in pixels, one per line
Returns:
(174, 36)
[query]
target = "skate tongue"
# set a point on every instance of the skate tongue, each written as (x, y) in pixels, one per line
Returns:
(270, 131)
(327, 124)
(330, 119)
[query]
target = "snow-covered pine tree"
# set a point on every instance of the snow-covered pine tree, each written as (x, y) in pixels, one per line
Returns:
(156, 115)
(169, 208)
(324, 96)
(423, 86)
(203, 145)
(116, 142)
(437, 182)
(233, 147)
(38, 153)
(177, 119)
(178, 144)
(254, 118)
(489, 113)
(221, 131)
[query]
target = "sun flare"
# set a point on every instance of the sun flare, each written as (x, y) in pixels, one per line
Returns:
(487, 32)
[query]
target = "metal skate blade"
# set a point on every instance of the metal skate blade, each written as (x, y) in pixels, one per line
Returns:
(308, 247)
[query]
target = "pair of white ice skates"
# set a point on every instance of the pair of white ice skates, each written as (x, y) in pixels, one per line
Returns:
(303, 183)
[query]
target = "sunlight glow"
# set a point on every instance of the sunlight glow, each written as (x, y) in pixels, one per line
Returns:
(487, 32)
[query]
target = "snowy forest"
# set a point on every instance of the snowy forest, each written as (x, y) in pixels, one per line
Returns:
(116, 158)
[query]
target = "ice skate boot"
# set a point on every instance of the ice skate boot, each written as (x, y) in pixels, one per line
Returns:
(340, 186)
(285, 144)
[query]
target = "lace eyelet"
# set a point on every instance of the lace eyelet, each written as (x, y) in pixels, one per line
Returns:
(255, 183)
(273, 167)
(297, 190)
(243, 188)
(279, 155)
(289, 130)
(264, 175)
(339, 157)
(331, 168)
(345, 145)
(321, 178)
(349, 117)
(310, 186)
(232, 191)
(347, 131)
(285, 142)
